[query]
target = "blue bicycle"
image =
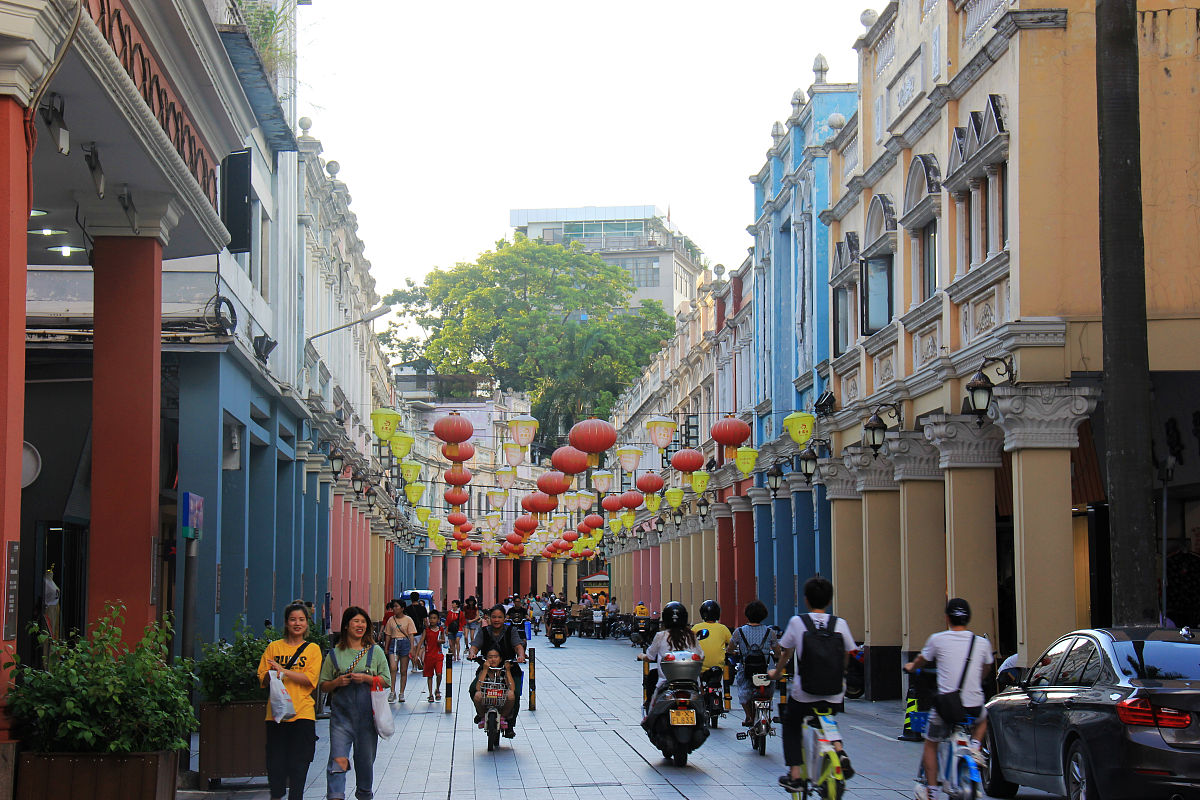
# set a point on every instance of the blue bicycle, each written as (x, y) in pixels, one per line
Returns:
(957, 771)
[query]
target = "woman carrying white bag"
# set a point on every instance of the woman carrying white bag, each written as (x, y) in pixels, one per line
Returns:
(352, 672)
(293, 665)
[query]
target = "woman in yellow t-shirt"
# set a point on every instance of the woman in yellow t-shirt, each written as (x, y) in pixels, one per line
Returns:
(291, 744)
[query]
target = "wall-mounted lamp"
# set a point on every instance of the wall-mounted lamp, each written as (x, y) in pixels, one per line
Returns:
(702, 508)
(356, 483)
(875, 429)
(677, 517)
(810, 456)
(52, 115)
(659, 525)
(775, 479)
(979, 388)
(91, 157)
(336, 461)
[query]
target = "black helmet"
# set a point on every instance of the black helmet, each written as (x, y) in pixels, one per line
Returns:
(710, 611)
(674, 615)
(958, 610)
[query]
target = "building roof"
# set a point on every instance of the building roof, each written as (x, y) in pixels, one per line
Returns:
(520, 217)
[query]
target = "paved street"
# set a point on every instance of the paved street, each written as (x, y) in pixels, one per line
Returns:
(584, 742)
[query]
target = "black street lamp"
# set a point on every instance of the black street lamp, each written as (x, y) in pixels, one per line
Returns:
(659, 526)
(979, 388)
(810, 456)
(356, 483)
(337, 461)
(702, 508)
(677, 517)
(875, 429)
(775, 479)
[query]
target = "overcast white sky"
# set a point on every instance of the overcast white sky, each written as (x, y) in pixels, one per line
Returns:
(445, 115)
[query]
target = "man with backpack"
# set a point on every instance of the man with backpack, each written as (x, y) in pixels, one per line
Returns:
(754, 644)
(821, 645)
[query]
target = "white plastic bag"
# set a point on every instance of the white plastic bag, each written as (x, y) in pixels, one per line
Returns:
(282, 708)
(385, 726)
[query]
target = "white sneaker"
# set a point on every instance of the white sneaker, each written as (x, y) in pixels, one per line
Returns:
(921, 792)
(392, 697)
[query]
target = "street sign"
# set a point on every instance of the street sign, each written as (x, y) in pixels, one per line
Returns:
(192, 506)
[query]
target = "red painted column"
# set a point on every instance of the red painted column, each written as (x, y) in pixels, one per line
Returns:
(347, 553)
(454, 564)
(471, 575)
(504, 578)
(126, 409)
(335, 548)
(435, 577)
(743, 553)
(726, 578)
(14, 206)
(487, 594)
(656, 586)
(525, 582)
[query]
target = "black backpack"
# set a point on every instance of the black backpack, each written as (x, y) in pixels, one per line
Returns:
(822, 664)
(754, 657)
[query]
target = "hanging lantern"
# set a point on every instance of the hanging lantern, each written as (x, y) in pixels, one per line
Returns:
(650, 482)
(615, 524)
(674, 496)
(506, 477)
(594, 521)
(629, 458)
(522, 429)
(401, 443)
(514, 538)
(413, 492)
(496, 498)
(800, 426)
(611, 503)
(525, 524)
(570, 501)
(384, 421)
(745, 459)
(687, 461)
(587, 552)
(570, 536)
(730, 432)
(542, 503)
(458, 475)
(558, 523)
(628, 517)
(569, 460)
(700, 481)
(432, 525)
(602, 481)
(661, 431)
(456, 497)
(492, 522)
(653, 502)
(476, 547)
(453, 428)
(466, 527)
(592, 436)
(553, 482)
(514, 456)
(410, 470)
(584, 500)
(423, 514)
(456, 518)
(631, 499)
(460, 452)
(458, 535)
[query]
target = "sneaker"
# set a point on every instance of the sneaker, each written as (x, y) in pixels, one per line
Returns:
(847, 770)
(509, 733)
(790, 783)
(400, 699)
(392, 697)
(921, 792)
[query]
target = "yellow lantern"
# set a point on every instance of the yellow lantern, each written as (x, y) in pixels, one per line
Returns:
(432, 525)
(584, 500)
(423, 514)
(492, 522)
(496, 498)
(384, 421)
(558, 523)
(413, 492)
(514, 454)
(674, 496)
(628, 517)
(523, 429)
(800, 426)
(602, 481)
(506, 477)
(629, 458)
(410, 470)
(745, 459)
(653, 502)
(615, 524)
(401, 443)
(661, 431)
(700, 481)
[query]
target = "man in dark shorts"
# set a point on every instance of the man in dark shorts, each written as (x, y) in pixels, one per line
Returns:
(509, 639)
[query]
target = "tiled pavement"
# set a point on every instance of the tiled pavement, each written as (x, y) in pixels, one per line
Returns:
(584, 743)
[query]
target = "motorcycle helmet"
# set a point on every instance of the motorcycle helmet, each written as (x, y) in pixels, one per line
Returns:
(710, 611)
(675, 615)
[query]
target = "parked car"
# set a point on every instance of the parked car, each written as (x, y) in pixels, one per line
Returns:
(1110, 713)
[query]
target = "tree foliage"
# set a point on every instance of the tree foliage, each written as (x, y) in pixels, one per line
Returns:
(549, 320)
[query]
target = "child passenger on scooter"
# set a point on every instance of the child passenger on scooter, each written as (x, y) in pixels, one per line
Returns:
(494, 669)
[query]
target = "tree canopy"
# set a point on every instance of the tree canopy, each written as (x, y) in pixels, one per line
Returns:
(553, 321)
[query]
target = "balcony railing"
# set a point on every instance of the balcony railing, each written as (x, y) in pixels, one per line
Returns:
(885, 49)
(599, 243)
(979, 14)
(850, 157)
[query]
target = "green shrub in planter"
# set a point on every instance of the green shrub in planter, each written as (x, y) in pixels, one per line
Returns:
(228, 671)
(95, 695)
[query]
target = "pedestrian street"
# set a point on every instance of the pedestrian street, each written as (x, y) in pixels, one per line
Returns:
(584, 742)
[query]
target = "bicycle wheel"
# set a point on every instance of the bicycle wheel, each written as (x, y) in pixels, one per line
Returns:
(830, 786)
(493, 733)
(760, 744)
(968, 788)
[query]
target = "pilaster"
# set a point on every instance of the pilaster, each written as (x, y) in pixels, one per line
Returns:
(1042, 416)
(962, 443)
(913, 457)
(837, 480)
(872, 472)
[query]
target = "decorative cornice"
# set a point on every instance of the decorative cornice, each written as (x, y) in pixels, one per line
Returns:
(1042, 416)
(871, 472)
(1031, 332)
(1014, 21)
(987, 274)
(923, 314)
(794, 483)
(882, 339)
(837, 480)
(759, 496)
(912, 455)
(31, 33)
(739, 504)
(721, 510)
(962, 443)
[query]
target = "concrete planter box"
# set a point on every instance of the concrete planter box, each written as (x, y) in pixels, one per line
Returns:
(233, 740)
(97, 776)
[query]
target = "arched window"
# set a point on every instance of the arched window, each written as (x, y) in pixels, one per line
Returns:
(922, 212)
(845, 283)
(876, 285)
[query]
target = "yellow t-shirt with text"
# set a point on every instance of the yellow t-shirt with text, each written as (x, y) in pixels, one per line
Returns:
(713, 643)
(309, 663)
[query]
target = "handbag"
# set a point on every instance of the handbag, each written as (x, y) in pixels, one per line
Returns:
(385, 726)
(282, 707)
(949, 704)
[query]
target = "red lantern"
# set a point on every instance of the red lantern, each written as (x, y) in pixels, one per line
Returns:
(570, 536)
(458, 475)
(527, 503)
(460, 452)
(594, 521)
(587, 552)
(584, 529)
(730, 432)
(525, 524)
(542, 503)
(687, 461)
(650, 482)
(514, 538)
(519, 550)
(553, 482)
(592, 436)
(466, 527)
(611, 502)
(453, 428)
(456, 496)
(456, 518)
(631, 499)
(506, 548)
(562, 544)
(568, 460)
(476, 547)
(458, 535)
(464, 546)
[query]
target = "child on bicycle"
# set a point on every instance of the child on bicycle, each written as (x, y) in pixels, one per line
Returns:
(494, 673)
(818, 687)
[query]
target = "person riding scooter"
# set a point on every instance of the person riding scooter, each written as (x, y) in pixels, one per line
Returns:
(676, 720)
(713, 638)
(556, 623)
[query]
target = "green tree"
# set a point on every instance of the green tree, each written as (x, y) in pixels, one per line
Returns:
(550, 320)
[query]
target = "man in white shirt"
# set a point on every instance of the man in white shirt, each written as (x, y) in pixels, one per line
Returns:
(962, 657)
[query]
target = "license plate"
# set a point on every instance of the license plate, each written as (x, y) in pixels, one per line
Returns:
(495, 693)
(683, 716)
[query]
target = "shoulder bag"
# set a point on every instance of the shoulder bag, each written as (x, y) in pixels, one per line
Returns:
(949, 704)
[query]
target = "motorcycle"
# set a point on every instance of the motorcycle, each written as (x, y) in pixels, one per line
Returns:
(644, 629)
(713, 680)
(761, 726)
(677, 721)
(556, 631)
(493, 722)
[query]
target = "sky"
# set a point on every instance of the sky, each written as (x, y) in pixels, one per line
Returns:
(445, 115)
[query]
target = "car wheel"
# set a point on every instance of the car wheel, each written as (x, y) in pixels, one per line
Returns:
(1078, 776)
(993, 777)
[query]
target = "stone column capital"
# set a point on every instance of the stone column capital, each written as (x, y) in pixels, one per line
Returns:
(963, 443)
(759, 496)
(156, 215)
(32, 32)
(721, 511)
(837, 480)
(872, 472)
(795, 483)
(1042, 416)
(913, 456)
(738, 503)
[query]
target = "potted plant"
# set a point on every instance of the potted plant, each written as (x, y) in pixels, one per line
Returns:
(101, 714)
